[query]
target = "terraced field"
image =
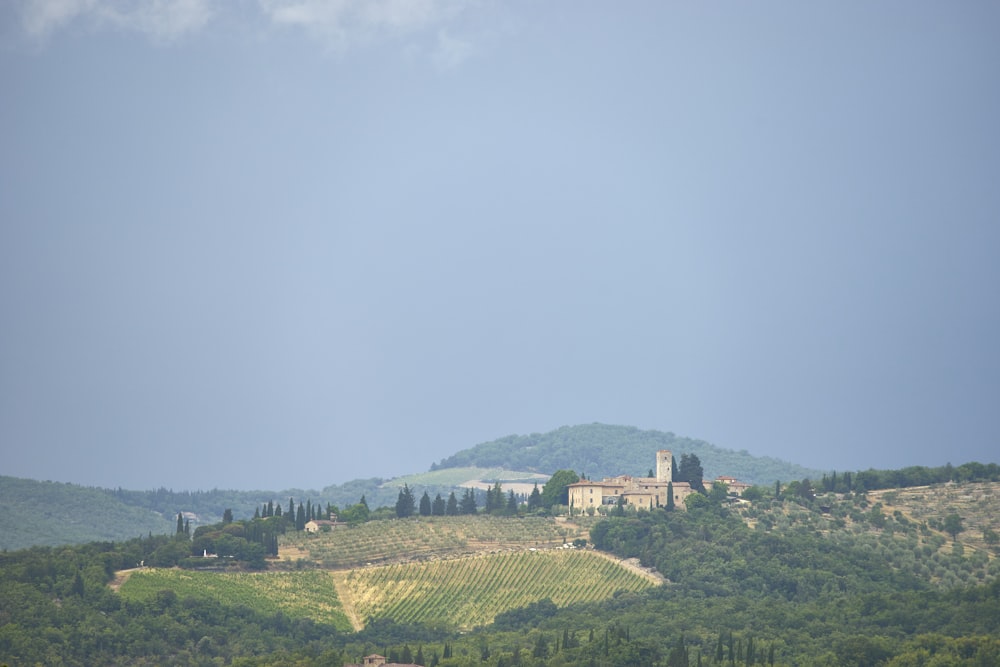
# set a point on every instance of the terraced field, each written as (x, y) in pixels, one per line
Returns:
(978, 503)
(379, 542)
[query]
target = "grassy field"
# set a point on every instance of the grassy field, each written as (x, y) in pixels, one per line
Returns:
(296, 594)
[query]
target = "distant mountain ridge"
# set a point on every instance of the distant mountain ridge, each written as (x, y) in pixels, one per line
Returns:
(603, 450)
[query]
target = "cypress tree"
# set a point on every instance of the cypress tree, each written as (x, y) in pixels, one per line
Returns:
(670, 496)
(678, 656)
(404, 503)
(468, 505)
(438, 506)
(535, 499)
(180, 524)
(425, 505)
(498, 499)
(451, 509)
(300, 518)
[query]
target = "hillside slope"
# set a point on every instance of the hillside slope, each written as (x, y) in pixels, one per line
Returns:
(52, 513)
(602, 450)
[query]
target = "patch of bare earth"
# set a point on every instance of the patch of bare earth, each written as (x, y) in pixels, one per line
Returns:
(121, 576)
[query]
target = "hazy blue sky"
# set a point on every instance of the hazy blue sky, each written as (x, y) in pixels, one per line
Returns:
(288, 243)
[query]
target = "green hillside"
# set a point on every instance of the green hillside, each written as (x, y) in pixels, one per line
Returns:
(884, 578)
(52, 513)
(295, 594)
(602, 450)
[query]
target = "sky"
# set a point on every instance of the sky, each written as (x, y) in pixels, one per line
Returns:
(270, 244)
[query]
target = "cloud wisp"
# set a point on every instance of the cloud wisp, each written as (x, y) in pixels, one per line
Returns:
(161, 20)
(338, 25)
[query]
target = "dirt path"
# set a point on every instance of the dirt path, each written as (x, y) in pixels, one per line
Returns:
(633, 565)
(121, 576)
(346, 599)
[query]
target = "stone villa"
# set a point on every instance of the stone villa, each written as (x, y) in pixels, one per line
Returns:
(641, 492)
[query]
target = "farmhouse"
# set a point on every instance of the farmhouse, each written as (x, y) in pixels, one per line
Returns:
(643, 492)
(735, 486)
(317, 525)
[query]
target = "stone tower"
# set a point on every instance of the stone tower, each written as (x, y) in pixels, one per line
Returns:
(664, 465)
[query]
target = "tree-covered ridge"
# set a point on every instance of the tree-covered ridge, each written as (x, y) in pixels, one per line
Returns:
(53, 513)
(602, 450)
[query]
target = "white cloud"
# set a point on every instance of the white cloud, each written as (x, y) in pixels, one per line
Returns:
(160, 19)
(41, 17)
(450, 52)
(346, 23)
(425, 28)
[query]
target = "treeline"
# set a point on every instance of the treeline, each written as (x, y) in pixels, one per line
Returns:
(497, 503)
(874, 480)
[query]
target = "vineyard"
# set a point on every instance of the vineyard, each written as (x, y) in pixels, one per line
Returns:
(469, 592)
(424, 538)
(461, 592)
(296, 594)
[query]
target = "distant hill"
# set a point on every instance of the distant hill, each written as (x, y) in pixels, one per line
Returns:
(52, 513)
(602, 450)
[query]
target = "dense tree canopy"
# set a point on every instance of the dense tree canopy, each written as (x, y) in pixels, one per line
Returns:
(555, 491)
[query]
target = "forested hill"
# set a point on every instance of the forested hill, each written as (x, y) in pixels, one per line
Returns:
(602, 450)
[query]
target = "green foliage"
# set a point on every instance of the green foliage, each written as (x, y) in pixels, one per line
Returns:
(468, 502)
(51, 513)
(953, 525)
(556, 491)
(295, 594)
(691, 472)
(405, 506)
